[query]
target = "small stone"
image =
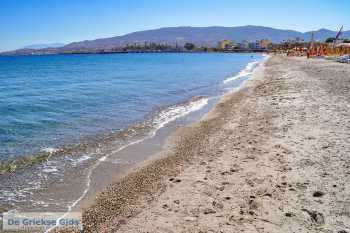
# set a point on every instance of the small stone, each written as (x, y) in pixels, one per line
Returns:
(217, 205)
(189, 219)
(318, 194)
(209, 211)
(221, 188)
(288, 214)
(177, 202)
(315, 216)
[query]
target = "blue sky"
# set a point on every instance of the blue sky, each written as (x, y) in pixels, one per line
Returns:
(25, 22)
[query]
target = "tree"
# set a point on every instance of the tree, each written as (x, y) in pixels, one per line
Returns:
(189, 46)
(346, 40)
(330, 40)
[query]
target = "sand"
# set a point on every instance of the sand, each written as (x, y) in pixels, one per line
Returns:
(273, 156)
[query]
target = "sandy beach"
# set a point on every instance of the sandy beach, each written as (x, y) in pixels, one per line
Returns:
(272, 156)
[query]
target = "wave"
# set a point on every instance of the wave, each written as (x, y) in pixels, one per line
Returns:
(174, 112)
(49, 150)
(161, 119)
(248, 70)
(135, 135)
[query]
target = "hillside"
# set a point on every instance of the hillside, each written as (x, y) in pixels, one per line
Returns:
(200, 36)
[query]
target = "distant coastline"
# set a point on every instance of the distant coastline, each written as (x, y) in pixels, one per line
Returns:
(187, 39)
(39, 53)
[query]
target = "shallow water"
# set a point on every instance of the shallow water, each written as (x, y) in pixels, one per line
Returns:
(105, 102)
(50, 101)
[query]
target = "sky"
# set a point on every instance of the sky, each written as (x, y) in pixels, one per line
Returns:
(27, 22)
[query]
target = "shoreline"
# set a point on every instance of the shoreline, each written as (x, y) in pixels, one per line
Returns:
(17, 162)
(116, 148)
(10, 166)
(261, 159)
(253, 51)
(108, 146)
(167, 158)
(163, 136)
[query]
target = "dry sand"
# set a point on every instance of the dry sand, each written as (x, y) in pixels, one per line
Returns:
(273, 156)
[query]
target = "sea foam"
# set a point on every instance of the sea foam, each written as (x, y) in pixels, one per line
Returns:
(174, 112)
(248, 70)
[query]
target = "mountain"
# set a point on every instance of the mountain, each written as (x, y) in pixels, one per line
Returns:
(322, 34)
(43, 46)
(200, 36)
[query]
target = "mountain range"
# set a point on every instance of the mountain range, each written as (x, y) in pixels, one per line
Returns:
(43, 46)
(203, 36)
(200, 36)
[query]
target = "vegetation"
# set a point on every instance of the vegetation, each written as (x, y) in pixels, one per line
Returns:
(346, 40)
(189, 46)
(147, 47)
(330, 39)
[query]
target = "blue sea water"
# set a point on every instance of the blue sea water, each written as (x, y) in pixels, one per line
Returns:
(50, 101)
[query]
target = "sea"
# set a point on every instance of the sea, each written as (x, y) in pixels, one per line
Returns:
(76, 106)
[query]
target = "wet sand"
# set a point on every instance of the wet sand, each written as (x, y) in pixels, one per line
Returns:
(271, 157)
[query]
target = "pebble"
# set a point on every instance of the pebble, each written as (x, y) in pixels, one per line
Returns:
(189, 219)
(221, 188)
(217, 205)
(288, 214)
(318, 194)
(209, 211)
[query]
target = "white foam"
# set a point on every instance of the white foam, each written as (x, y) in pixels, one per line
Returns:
(119, 161)
(50, 169)
(49, 150)
(166, 116)
(80, 160)
(248, 70)
(172, 113)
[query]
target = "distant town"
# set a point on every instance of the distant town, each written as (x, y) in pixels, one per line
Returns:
(210, 39)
